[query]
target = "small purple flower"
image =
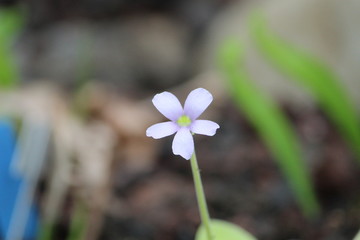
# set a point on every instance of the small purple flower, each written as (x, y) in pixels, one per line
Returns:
(183, 120)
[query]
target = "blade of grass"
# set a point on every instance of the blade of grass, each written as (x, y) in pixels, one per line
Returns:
(313, 75)
(78, 222)
(8, 71)
(46, 232)
(11, 22)
(271, 124)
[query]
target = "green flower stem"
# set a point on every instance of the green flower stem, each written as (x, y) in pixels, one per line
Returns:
(204, 213)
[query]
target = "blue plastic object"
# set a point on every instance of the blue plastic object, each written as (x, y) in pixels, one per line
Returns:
(11, 185)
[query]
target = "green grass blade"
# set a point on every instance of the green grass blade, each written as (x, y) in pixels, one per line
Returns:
(46, 231)
(314, 76)
(271, 124)
(11, 22)
(78, 222)
(8, 71)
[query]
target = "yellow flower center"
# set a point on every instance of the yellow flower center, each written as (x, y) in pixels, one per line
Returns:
(184, 121)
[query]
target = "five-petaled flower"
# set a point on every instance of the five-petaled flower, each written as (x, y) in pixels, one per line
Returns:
(183, 120)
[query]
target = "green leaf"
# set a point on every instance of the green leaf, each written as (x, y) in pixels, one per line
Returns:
(79, 222)
(11, 22)
(312, 74)
(8, 70)
(271, 124)
(46, 231)
(223, 230)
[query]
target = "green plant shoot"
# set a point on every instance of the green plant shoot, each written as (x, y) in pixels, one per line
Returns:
(271, 124)
(313, 75)
(11, 22)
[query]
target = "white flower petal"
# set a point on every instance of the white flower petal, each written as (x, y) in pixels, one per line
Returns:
(183, 143)
(161, 130)
(204, 127)
(168, 105)
(196, 103)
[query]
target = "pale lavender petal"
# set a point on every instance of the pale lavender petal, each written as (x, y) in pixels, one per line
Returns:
(196, 103)
(161, 130)
(183, 143)
(168, 105)
(204, 127)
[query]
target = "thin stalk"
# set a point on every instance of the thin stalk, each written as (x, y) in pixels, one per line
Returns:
(204, 213)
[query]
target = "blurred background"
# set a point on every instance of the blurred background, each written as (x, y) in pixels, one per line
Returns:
(76, 83)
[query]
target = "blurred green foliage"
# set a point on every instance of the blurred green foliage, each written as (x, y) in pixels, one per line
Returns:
(271, 123)
(77, 228)
(223, 230)
(46, 231)
(313, 75)
(11, 21)
(79, 222)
